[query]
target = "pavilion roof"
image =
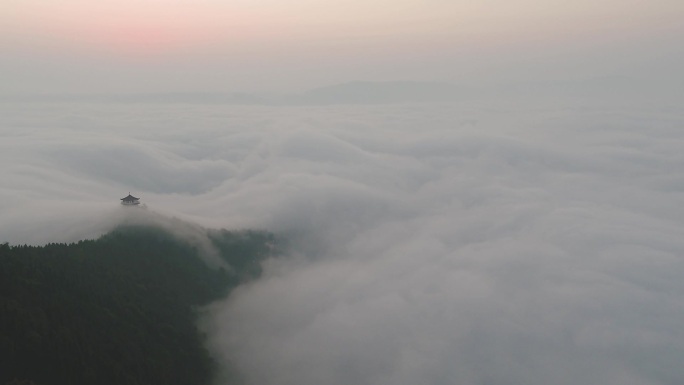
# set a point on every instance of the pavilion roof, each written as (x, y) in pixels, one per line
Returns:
(130, 198)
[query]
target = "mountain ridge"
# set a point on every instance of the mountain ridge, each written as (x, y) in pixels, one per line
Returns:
(120, 309)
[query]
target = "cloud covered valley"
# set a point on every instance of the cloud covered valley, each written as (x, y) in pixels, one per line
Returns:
(508, 242)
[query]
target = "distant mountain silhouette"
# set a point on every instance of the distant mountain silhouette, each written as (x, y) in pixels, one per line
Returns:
(370, 92)
(606, 87)
(358, 92)
(362, 92)
(135, 98)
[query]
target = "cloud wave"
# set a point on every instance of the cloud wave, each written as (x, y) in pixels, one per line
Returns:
(517, 242)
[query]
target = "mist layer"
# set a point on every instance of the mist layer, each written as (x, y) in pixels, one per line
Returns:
(485, 243)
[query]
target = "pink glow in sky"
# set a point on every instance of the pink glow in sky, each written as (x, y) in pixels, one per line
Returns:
(289, 42)
(130, 28)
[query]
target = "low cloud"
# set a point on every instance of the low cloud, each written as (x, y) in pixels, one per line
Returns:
(511, 242)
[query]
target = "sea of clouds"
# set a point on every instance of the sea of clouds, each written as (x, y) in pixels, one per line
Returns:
(483, 243)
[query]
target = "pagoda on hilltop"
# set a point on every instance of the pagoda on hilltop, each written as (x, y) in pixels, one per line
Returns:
(130, 200)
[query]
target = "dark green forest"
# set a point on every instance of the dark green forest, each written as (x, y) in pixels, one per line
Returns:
(121, 309)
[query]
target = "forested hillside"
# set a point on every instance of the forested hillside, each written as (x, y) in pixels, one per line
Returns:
(117, 310)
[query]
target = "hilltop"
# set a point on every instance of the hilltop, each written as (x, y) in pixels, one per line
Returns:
(120, 309)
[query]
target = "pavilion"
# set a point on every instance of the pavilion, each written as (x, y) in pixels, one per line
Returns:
(130, 200)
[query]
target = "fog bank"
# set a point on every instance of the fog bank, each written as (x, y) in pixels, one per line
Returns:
(512, 241)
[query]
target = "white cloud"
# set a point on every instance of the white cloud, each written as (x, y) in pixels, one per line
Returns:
(472, 244)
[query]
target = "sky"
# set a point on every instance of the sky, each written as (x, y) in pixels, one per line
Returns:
(126, 46)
